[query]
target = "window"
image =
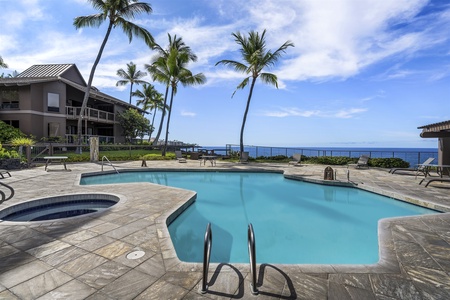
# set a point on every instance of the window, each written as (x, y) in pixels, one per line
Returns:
(9, 99)
(53, 129)
(53, 102)
(13, 123)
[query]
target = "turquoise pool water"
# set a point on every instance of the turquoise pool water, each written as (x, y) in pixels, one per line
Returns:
(294, 222)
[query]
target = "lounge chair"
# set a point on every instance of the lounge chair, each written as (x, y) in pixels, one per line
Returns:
(296, 158)
(363, 162)
(430, 180)
(180, 157)
(4, 172)
(421, 168)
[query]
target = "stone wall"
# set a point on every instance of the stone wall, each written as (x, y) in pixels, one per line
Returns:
(10, 164)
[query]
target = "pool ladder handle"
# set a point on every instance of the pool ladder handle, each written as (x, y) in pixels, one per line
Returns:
(207, 255)
(3, 195)
(252, 255)
(103, 158)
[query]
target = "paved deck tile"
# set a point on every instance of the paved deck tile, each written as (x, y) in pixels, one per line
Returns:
(86, 257)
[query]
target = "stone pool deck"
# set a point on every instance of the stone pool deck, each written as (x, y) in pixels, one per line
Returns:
(85, 257)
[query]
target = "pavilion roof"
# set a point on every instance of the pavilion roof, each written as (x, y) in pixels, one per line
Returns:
(441, 129)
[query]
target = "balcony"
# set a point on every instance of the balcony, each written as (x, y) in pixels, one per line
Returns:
(91, 114)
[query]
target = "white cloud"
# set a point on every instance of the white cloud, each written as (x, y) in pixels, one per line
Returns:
(185, 113)
(296, 112)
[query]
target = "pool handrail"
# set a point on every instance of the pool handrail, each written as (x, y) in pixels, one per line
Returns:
(252, 255)
(104, 157)
(206, 257)
(3, 195)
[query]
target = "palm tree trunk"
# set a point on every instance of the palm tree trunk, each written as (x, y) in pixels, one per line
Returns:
(88, 88)
(168, 123)
(161, 123)
(241, 145)
(153, 122)
(131, 91)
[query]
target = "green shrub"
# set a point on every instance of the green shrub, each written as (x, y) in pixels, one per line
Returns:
(344, 160)
(388, 163)
(5, 154)
(154, 156)
(329, 160)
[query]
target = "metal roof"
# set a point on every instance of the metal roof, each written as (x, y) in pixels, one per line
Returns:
(41, 71)
(12, 81)
(436, 130)
(445, 125)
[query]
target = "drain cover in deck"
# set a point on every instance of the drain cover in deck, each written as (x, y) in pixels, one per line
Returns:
(135, 254)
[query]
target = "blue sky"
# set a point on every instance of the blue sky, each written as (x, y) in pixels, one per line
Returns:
(363, 73)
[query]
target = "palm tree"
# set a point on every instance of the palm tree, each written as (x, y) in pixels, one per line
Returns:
(170, 68)
(2, 63)
(130, 76)
(150, 99)
(177, 62)
(117, 12)
(254, 54)
(160, 72)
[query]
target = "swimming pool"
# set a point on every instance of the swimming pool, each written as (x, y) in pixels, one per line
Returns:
(294, 222)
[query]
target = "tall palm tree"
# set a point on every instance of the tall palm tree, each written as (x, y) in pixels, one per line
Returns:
(2, 63)
(160, 72)
(117, 12)
(131, 75)
(150, 99)
(170, 68)
(255, 59)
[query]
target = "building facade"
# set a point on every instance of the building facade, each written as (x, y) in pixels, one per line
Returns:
(45, 101)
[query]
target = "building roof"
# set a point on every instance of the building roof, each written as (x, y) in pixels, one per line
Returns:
(441, 129)
(55, 72)
(44, 71)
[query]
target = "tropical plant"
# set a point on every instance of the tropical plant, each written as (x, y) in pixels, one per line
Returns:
(2, 63)
(150, 99)
(8, 133)
(133, 124)
(170, 68)
(132, 76)
(117, 12)
(255, 59)
(22, 141)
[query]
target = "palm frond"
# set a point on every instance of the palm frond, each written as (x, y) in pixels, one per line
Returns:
(131, 29)
(269, 78)
(122, 82)
(89, 21)
(237, 66)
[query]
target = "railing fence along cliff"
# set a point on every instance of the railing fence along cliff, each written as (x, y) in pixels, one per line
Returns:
(414, 157)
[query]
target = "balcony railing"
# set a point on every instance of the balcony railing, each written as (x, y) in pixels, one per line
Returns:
(91, 114)
(103, 139)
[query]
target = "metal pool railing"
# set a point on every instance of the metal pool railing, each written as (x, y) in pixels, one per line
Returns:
(105, 158)
(3, 195)
(252, 255)
(206, 257)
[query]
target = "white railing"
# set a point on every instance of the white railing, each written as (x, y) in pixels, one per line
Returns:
(91, 114)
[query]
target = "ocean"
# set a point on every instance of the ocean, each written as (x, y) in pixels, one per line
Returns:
(413, 156)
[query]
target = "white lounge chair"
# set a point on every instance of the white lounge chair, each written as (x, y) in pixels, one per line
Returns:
(421, 168)
(179, 156)
(363, 162)
(296, 158)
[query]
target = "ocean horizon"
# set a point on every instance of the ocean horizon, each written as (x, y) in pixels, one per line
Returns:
(413, 156)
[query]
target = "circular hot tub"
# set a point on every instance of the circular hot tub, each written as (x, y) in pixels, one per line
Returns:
(58, 207)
